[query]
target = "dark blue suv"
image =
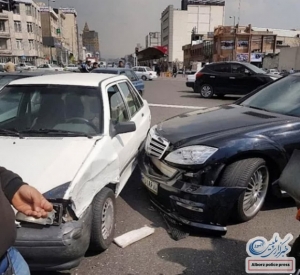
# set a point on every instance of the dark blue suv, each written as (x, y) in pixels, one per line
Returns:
(138, 83)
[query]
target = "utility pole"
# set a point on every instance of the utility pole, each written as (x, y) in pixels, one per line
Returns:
(50, 31)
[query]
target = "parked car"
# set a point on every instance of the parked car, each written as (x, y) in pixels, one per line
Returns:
(72, 68)
(50, 67)
(77, 142)
(239, 78)
(201, 167)
(284, 73)
(190, 81)
(25, 67)
(6, 78)
(136, 81)
(273, 71)
(145, 73)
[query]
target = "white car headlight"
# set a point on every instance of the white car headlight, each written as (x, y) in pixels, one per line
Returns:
(190, 155)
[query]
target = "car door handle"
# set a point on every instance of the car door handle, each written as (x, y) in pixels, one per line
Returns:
(231, 77)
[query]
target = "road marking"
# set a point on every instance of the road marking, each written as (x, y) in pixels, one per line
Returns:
(176, 106)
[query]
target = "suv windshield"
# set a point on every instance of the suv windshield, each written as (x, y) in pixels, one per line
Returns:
(281, 97)
(51, 110)
(255, 69)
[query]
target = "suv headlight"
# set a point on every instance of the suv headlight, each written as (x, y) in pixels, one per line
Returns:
(191, 155)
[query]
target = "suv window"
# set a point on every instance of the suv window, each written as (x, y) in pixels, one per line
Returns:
(118, 111)
(131, 100)
(221, 68)
(238, 69)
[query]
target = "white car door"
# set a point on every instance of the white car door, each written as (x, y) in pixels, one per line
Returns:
(136, 70)
(122, 143)
(139, 112)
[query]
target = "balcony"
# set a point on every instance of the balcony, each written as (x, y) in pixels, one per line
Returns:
(4, 34)
(5, 52)
(3, 16)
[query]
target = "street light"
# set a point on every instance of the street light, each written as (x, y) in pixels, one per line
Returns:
(50, 29)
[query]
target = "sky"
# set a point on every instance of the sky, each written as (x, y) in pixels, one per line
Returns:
(122, 24)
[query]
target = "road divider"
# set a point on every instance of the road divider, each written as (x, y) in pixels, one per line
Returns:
(176, 106)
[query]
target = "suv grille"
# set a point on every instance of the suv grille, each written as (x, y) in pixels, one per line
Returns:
(155, 145)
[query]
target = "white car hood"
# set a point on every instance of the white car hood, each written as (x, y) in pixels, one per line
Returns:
(45, 163)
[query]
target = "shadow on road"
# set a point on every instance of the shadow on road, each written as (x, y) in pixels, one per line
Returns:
(273, 203)
(226, 257)
(50, 273)
(136, 196)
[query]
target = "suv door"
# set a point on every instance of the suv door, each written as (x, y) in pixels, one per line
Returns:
(218, 77)
(244, 80)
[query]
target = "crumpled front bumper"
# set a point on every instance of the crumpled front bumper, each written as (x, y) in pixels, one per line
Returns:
(55, 247)
(194, 205)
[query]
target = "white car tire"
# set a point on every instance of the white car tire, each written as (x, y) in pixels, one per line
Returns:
(104, 218)
(144, 77)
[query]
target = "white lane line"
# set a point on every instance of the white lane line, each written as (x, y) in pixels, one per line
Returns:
(176, 106)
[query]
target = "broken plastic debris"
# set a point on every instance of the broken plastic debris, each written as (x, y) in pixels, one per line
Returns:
(133, 236)
(20, 217)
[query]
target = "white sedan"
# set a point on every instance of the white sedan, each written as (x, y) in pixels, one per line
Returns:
(145, 73)
(77, 141)
(50, 67)
(72, 68)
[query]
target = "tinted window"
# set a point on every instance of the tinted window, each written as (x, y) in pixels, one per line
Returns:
(132, 102)
(238, 69)
(282, 97)
(221, 68)
(54, 107)
(118, 111)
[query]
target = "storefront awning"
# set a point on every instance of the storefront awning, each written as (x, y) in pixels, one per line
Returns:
(152, 53)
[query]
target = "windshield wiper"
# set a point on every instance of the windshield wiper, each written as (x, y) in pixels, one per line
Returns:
(10, 132)
(59, 132)
(256, 108)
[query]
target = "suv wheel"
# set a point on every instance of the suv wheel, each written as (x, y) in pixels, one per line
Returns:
(206, 91)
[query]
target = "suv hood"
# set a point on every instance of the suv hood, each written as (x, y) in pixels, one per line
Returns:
(45, 163)
(215, 121)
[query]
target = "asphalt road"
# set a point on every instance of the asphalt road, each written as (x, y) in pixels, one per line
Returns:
(198, 254)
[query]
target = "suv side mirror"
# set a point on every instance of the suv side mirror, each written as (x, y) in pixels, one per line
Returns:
(124, 127)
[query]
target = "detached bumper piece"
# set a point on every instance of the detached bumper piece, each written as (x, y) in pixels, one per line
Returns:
(201, 207)
(55, 247)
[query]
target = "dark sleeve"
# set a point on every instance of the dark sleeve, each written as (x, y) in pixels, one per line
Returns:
(10, 182)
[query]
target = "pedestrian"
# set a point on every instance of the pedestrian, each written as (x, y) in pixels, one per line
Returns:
(86, 67)
(174, 71)
(25, 199)
(121, 64)
(292, 71)
(9, 67)
(158, 70)
(95, 66)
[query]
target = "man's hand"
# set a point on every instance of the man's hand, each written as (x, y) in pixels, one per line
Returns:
(31, 202)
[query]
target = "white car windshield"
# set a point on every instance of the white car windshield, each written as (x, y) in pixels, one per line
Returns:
(51, 110)
(281, 97)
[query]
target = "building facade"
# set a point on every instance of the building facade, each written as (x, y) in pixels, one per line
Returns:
(177, 25)
(90, 40)
(21, 34)
(153, 39)
(71, 33)
(242, 43)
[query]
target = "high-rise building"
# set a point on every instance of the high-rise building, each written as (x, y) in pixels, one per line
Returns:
(21, 34)
(71, 32)
(177, 25)
(90, 40)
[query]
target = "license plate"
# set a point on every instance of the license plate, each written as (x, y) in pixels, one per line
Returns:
(152, 186)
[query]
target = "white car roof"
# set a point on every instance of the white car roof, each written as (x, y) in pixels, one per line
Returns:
(76, 79)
